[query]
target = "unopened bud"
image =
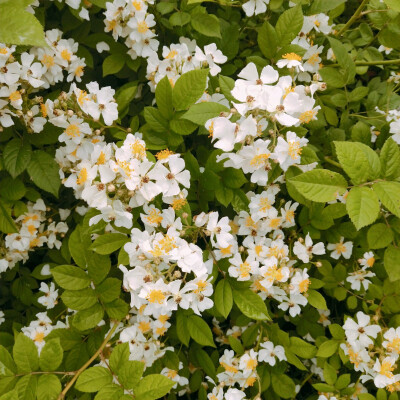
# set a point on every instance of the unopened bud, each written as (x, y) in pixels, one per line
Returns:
(97, 132)
(49, 220)
(318, 264)
(177, 274)
(241, 249)
(111, 188)
(70, 113)
(129, 130)
(185, 215)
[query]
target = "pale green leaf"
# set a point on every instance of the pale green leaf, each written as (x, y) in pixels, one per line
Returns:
(93, 379)
(250, 304)
(108, 243)
(51, 355)
(389, 195)
(153, 387)
(200, 113)
(189, 88)
(70, 277)
(89, 318)
(25, 354)
(200, 331)
(320, 185)
(223, 299)
(49, 387)
(362, 204)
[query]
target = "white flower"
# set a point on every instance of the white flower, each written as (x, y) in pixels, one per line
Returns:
(255, 7)
(358, 278)
(341, 249)
(49, 300)
(290, 60)
(102, 46)
(2, 319)
(269, 352)
(384, 370)
(361, 332)
(288, 151)
(305, 251)
(211, 56)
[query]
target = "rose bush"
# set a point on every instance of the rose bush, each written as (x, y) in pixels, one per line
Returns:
(199, 199)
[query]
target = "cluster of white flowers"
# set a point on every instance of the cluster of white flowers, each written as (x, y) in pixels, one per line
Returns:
(376, 359)
(132, 21)
(23, 75)
(162, 261)
(40, 328)
(359, 277)
(34, 230)
(243, 370)
(262, 257)
(264, 100)
(112, 179)
(183, 57)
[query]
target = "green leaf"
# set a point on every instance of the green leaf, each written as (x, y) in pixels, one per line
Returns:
(393, 4)
(119, 356)
(344, 60)
(322, 6)
(70, 277)
(390, 159)
(181, 127)
(200, 113)
(7, 224)
(336, 331)
(110, 392)
(389, 195)
(164, 97)
(130, 373)
(153, 387)
(224, 195)
(89, 318)
(51, 355)
(267, 40)
(206, 363)
(226, 84)
(79, 299)
(236, 345)
(93, 379)
(332, 77)
(109, 289)
(27, 387)
(19, 26)
(343, 381)
(207, 25)
(109, 242)
(117, 309)
(78, 244)
(362, 204)
(113, 64)
(155, 120)
(330, 374)
(233, 178)
(301, 348)
(49, 387)
(25, 354)
(12, 189)
(125, 94)
(223, 299)
(358, 160)
(316, 300)
(379, 236)
(391, 261)
(12, 395)
(289, 25)
(320, 185)
(189, 88)
(250, 304)
(283, 386)
(200, 331)
(7, 364)
(182, 330)
(16, 156)
(327, 348)
(179, 18)
(44, 172)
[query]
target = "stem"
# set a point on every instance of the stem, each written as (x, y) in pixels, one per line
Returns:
(375, 62)
(47, 373)
(336, 164)
(353, 18)
(80, 370)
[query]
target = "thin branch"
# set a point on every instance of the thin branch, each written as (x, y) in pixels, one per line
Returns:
(80, 370)
(353, 18)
